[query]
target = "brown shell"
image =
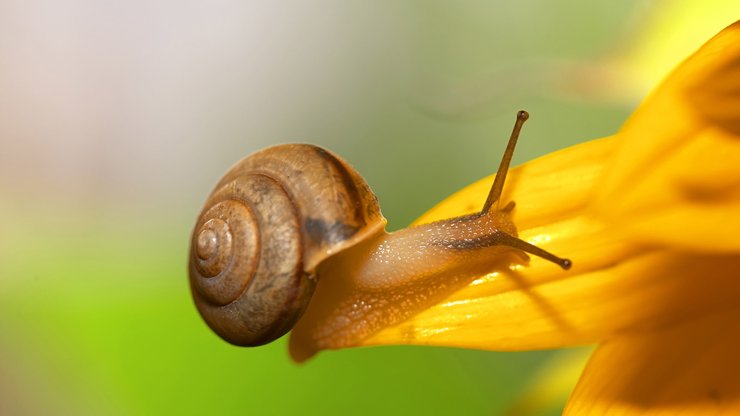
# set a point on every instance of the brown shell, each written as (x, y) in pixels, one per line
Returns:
(271, 220)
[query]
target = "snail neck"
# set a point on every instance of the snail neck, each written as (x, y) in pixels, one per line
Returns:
(466, 244)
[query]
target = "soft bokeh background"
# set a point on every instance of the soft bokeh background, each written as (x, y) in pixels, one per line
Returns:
(116, 118)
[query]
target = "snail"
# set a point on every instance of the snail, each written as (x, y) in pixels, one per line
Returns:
(286, 216)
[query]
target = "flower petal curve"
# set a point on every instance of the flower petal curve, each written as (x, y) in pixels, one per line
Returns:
(686, 369)
(674, 178)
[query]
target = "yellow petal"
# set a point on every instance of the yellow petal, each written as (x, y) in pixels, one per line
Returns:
(531, 309)
(674, 178)
(687, 369)
(565, 178)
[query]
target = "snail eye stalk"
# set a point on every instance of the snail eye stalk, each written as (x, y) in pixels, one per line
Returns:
(494, 197)
(503, 168)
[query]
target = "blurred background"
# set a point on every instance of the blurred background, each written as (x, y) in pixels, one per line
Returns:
(117, 118)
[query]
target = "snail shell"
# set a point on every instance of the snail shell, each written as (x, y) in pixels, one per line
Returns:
(270, 221)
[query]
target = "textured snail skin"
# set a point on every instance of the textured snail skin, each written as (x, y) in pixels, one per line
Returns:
(270, 221)
(391, 276)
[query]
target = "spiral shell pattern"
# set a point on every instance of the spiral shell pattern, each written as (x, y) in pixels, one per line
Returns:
(263, 231)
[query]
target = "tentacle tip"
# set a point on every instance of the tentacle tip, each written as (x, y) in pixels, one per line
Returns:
(522, 115)
(566, 264)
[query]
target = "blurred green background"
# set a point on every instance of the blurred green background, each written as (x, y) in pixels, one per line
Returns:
(116, 118)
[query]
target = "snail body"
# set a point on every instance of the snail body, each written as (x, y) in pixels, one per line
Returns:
(289, 215)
